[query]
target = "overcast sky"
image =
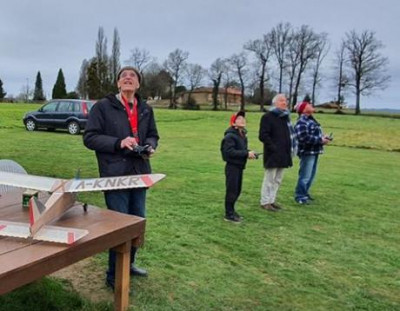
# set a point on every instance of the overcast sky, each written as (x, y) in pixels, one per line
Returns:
(45, 35)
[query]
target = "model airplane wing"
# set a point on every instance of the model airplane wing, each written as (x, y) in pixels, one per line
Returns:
(113, 183)
(30, 181)
(47, 233)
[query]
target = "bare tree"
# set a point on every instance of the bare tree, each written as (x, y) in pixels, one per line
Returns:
(114, 59)
(367, 66)
(340, 78)
(102, 69)
(305, 43)
(140, 59)
(194, 74)
(239, 63)
(174, 65)
(81, 87)
(262, 50)
(218, 67)
(322, 50)
(280, 39)
(228, 82)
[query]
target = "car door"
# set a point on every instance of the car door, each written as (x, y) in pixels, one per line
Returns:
(46, 114)
(64, 111)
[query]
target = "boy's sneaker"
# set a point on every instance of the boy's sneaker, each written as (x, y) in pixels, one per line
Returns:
(237, 215)
(233, 219)
(303, 202)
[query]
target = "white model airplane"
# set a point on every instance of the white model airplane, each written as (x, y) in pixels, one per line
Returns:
(63, 196)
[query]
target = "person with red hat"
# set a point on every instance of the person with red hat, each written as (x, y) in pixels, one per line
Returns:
(310, 146)
(235, 153)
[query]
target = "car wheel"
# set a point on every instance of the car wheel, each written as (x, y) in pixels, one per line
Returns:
(73, 128)
(30, 125)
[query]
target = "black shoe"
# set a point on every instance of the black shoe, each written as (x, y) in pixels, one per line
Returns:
(138, 272)
(237, 215)
(276, 206)
(110, 284)
(233, 219)
(310, 197)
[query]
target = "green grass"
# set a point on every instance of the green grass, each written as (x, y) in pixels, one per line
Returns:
(340, 253)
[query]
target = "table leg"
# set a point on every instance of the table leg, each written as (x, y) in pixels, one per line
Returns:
(122, 277)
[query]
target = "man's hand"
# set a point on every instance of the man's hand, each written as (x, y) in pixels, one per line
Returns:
(128, 142)
(325, 140)
(252, 155)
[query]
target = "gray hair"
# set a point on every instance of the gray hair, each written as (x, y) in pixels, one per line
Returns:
(276, 98)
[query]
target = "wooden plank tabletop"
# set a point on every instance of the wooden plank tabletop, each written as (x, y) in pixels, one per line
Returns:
(23, 261)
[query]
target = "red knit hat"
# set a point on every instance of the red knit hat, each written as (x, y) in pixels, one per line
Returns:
(234, 117)
(301, 106)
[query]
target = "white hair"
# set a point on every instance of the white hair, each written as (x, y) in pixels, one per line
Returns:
(276, 98)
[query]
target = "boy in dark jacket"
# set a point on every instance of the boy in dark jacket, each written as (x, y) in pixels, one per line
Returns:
(235, 154)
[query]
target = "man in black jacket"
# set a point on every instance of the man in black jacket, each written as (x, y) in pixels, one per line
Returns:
(277, 135)
(118, 128)
(235, 153)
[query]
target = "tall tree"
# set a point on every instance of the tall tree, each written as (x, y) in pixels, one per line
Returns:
(218, 67)
(38, 94)
(114, 59)
(140, 59)
(239, 63)
(194, 75)
(103, 71)
(174, 65)
(280, 38)
(81, 86)
(305, 43)
(366, 65)
(93, 83)
(340, 77)
(322, 50)
(262, 50)
(2, 92)
(59, 89)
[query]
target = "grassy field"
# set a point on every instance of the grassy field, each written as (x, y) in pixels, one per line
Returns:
(340, 253)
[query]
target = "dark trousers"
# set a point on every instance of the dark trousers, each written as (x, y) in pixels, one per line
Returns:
(132, 202)
(233, 182)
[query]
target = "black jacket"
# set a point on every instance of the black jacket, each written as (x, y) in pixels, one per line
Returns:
(108, 124)
(234, 148)
(275, 135)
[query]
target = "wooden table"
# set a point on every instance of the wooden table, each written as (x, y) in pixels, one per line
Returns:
(23, 261)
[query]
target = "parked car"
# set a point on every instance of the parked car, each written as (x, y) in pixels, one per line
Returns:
(70, 114)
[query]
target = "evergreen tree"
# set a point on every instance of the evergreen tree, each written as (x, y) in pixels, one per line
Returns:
(2, 93)
(59, 89)
(93, 83)
(38, 93)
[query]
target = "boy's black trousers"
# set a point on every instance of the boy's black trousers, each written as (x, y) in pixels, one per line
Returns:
(233, 182)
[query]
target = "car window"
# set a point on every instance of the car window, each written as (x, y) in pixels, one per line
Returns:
(90, 105)
(77, 107)
(50, 107)
(65, 107)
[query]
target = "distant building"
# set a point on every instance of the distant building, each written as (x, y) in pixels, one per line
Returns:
(203, 95)
(329, 105)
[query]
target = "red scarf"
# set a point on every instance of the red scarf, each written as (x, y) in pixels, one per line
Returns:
(132, 116)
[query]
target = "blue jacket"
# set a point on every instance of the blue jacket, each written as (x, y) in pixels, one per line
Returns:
(309, 136)
(107, 125)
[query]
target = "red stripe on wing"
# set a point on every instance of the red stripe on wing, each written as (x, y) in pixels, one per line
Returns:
(2, 227)
(71, 238)
(147, 180)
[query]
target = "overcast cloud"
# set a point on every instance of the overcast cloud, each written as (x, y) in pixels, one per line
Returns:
(45, 35)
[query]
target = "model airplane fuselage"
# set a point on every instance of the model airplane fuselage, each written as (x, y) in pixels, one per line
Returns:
(63, 196)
